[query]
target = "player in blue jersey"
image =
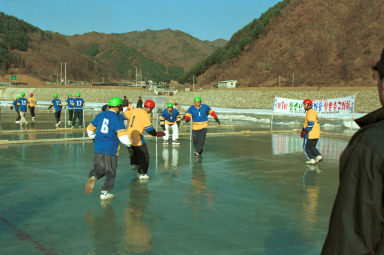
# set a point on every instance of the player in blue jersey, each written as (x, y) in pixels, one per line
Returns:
(70, 104)
(23, 106)
(16, 107)
(199, 113)
(78, 104)
(56, 103)
(107, 130)
(170, 118)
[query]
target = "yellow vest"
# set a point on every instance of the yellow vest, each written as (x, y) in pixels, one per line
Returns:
(312, 116)
(32, 101)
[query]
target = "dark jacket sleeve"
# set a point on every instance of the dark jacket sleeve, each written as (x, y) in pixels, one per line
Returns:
(357, 216)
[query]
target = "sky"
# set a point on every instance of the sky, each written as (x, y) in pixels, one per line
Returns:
(204, 19)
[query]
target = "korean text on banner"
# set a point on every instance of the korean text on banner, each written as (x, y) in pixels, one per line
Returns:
(325, 107)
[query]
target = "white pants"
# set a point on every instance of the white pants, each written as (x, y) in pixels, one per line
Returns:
(23, 120)
(174, 159)
(175, 132)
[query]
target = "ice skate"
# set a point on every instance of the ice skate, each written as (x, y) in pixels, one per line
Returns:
(89, 187)
(311, 162)
(143, 177)
(318, 158)
(105, 195)
(176, 142)
(197, 154)
(165, 142)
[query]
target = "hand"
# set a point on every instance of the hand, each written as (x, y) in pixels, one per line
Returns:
(217, 121)
(163, 127)
(379, 67)
(303, 133)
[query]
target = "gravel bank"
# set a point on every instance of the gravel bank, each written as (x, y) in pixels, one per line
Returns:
(258, 98)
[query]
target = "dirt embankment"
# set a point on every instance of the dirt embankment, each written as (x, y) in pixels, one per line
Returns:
(366, 99)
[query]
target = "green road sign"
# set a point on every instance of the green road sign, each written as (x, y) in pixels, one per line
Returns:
(13, 77)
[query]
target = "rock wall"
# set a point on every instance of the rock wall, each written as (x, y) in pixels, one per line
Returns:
(258, 98)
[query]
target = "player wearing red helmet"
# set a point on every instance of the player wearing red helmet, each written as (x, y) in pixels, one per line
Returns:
(32, 104)
(138, 120)
(311, 133)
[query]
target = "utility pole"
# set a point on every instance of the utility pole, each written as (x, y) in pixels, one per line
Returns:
(61, 73)
(136, 76)
(65, 72)
(193, 82)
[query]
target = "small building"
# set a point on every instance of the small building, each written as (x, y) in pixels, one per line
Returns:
(230, 84)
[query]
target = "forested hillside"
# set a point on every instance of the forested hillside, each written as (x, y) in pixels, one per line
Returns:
(157, 55)
(238, 42)
(13, 36)
(310, 43)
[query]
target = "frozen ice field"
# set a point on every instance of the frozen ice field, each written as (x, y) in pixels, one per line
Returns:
(248, 194)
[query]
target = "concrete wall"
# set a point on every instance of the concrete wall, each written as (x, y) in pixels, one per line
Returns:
(366, 99)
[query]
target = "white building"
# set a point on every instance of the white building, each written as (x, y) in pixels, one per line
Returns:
(230, 84)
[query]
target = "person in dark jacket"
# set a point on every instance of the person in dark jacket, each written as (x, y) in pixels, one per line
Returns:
(356, 224)
(125, 102)
(139, 103)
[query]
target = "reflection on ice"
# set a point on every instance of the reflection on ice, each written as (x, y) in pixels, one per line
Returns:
(330, 148)
(248, 195)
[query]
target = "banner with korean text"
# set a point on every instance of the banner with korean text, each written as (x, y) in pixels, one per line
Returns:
(324, 107)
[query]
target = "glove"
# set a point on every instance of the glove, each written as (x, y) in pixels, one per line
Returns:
(303, 133)
(163, 127)
(11, 108)
(160, 133)
(379, 67)
(178, 124)
(217, 121)
(187, 120)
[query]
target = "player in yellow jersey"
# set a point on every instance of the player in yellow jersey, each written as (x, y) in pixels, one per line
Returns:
(311, 133)
(32, 104)
(138, 120)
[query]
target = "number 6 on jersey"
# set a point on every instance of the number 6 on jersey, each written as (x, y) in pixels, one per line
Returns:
(104, 128)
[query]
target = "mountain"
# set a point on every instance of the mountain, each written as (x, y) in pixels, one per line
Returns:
(306, 43)
(157, 55)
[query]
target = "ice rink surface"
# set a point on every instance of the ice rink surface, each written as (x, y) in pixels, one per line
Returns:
(247, 194)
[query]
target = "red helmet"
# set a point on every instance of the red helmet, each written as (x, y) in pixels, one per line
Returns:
(31, 95)
(307, 101)
(149, 104)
